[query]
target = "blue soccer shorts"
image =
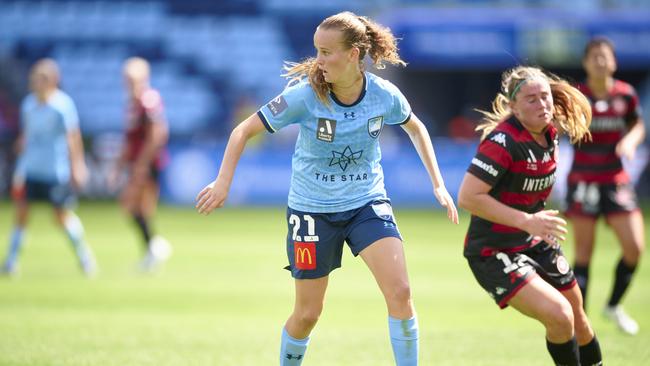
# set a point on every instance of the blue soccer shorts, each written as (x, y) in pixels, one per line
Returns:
(315, 240)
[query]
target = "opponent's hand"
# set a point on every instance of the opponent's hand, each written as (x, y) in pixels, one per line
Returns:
(624, 149)
(547, 225)
(211, 197)
(447, 202)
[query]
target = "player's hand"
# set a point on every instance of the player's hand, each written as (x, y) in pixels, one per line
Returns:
(447, 202)
(79, 175)
(18, 190)
(625, 149)
(211, 197)
(547, 225)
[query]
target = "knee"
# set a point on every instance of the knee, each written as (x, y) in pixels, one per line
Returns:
(560, 319)
(400, 293)
(308, 317)
(634, 253)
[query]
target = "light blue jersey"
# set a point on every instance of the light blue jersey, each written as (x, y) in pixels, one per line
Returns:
(45, 126)
(335, 165)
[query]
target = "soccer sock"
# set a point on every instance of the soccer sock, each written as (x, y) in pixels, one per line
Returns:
(622, 280)
(564, 354)
(15, 244)
(292, 351)
(145, 230)
(75, 230)
(582, 277)
(404, 338)
(590, 353)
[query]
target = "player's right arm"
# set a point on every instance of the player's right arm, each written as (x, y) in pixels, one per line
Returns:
(474, 197)
(214, 194)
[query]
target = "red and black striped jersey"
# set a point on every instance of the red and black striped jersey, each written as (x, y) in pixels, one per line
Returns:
(596, 160)
(142, 111)
(521, 173)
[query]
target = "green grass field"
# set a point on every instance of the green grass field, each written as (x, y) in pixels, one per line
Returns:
(223, 298)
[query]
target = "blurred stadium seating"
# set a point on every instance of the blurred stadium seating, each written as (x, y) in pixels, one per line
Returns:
(209, 56)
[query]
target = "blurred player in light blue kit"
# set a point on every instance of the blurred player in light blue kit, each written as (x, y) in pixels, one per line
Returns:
(337, 189)
(51, 163)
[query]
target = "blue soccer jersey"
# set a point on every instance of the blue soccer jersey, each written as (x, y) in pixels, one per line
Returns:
(45, 156)
(335, 165)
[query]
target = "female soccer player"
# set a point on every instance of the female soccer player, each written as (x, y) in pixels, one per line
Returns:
(143, 157)
(598, 185)
(337, 191)
(512, 241)
(50, 163)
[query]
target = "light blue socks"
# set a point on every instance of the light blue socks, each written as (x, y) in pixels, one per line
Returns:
(292, 351)
(15, 243)
(404, 338)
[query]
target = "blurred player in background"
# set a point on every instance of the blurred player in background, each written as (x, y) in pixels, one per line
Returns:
(512, 241)
(337, 191)
(50, 164)
(598, 185)
(143, 157)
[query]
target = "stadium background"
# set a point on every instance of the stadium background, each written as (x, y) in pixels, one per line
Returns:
(215, 62)
(223, 296)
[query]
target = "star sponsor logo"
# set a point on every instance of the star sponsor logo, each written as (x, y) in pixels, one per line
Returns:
(374, 126)
(326, 129)
(277, 105)
(345, 158)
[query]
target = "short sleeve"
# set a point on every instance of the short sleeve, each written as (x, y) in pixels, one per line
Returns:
(287, 108)
(634, 108)
(493, 159)
(400, 112)
(69, 114)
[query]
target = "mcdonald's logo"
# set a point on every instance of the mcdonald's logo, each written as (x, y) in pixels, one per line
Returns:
(305, 255)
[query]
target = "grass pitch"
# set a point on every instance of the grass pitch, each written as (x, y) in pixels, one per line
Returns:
(223, 297)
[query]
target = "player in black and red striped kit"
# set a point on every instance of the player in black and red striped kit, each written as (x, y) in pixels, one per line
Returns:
(598, 184)
(512, 244)
(143, 156)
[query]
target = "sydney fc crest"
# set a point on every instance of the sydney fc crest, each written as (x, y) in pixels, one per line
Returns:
(374, 126)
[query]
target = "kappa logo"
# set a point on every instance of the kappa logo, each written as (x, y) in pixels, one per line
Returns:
(499, 138)
(277, 105)
(374, 126)
(326, 129)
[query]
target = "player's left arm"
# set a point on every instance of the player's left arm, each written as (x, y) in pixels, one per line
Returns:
(79, 171)
(157, 134)
(419, 136)
(632, 139)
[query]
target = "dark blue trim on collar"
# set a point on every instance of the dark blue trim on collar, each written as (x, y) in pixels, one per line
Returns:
(265, 122)
(363, 94)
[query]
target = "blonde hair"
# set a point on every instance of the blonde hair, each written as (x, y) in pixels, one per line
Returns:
(571, 112)
(137, 68)
(369, 37)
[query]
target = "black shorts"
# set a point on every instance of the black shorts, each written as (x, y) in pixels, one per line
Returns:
(593, 199)
(315, 240)
(60, 195)
(503, 274)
